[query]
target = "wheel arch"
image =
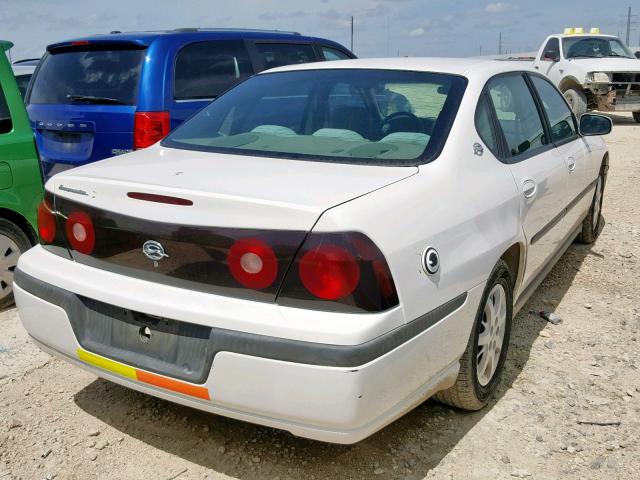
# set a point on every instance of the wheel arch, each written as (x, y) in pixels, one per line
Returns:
(514, 258)
(570, 82)
(20, 222)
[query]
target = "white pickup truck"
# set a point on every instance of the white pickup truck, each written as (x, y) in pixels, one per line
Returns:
(594, 71)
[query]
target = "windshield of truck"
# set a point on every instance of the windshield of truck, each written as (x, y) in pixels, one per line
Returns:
(354, 115)
(107, 77)
(595, 47)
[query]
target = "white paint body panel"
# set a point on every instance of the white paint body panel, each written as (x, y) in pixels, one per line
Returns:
(342, 405)
(467, 206)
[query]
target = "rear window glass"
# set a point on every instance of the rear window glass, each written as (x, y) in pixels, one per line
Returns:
(279, 54)
(206, 69)
(93, 76)
(358, 116)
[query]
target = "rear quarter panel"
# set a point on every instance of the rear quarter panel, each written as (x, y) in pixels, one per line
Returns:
(464, 205)
(22, 182)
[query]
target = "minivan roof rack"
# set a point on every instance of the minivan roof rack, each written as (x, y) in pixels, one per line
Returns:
(257, 30)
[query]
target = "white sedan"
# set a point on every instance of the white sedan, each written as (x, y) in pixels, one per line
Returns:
(324, 246)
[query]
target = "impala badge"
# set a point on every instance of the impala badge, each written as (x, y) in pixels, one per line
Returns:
(154, 251)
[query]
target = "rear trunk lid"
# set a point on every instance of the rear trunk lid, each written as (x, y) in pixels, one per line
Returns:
(232, 197)
(83, 101)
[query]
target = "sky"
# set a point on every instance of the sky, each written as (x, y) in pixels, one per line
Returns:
(382, 27)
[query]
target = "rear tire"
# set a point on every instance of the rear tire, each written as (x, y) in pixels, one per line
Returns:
(636, 116)
(577, 100)
(477, 378)
(13, 242)
(592, 222)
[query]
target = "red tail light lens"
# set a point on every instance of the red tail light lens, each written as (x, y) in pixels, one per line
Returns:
(329, 272)
(343, 269)
(253, 263)
(46, 222)
(80, 232)
(149, 128)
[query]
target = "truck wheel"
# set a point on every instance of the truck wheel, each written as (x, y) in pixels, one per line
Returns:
(13, 242)
(591, 223)
(482, 362)
(636, 116)
(577, 101)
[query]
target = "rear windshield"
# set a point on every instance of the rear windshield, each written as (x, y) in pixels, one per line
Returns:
(354, 115)
(93, 76)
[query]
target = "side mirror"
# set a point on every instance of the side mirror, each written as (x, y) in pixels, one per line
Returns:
(592, 124)
(637, 54)
(551, 56)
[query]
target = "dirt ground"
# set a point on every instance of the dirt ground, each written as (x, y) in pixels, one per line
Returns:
(57, 421)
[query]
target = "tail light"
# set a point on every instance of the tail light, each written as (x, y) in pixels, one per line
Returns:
(46, 222)
(253, 263)
(80, 232)
(149, 128)
(346, 270)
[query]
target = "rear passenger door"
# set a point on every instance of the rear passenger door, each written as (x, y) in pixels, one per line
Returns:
(539, 171)
(204, 70)
(573, 149)
(271, 54)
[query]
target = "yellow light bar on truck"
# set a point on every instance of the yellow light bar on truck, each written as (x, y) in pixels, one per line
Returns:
(595, 31)
(578, 31)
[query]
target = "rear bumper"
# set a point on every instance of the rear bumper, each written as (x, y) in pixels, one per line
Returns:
(326, 391)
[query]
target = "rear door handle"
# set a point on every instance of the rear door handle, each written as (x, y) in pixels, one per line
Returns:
(571, 164)
(529, 188)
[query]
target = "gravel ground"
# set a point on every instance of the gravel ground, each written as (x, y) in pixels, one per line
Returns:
(57, 421)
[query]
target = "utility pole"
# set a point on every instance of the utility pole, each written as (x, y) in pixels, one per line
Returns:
(628, 25)
(500, 44)
(352, 33)
(480, 50)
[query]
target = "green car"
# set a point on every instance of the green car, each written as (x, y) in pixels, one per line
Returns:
(20, 178)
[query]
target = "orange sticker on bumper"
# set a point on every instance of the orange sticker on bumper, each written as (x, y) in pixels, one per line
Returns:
(143, 376)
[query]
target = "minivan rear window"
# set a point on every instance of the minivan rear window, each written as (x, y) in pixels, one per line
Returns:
(90, 76)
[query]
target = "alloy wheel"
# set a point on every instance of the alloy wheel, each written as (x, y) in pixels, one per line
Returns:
(491, 334)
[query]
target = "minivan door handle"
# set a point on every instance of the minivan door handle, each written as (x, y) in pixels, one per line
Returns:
(529, 188)
(571, 164)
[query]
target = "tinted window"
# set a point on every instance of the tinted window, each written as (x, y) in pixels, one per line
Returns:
(95, 76)
(333, 54)
(363, 116)
(485, 125)
(23, 83)
(5, 116)
(517, 114)
(206, 69)
(551, 50)
(279, 54)
(559, 114)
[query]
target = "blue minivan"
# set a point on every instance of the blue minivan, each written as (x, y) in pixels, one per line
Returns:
(105, 95)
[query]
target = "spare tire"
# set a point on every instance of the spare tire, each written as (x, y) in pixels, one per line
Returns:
(577, 100)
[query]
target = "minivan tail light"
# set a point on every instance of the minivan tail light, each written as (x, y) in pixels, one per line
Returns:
(339, 271)
(149, 128)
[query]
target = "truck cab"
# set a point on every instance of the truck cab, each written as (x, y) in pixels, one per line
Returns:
(592, 70)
